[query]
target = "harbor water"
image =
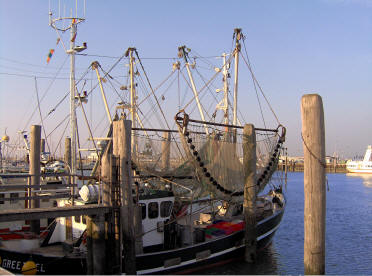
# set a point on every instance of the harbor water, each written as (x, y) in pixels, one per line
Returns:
(348, 231)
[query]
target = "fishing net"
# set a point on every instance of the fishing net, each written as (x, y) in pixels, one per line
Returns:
(205, 159)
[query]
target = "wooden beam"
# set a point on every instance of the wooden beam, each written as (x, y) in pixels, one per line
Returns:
(53, 212)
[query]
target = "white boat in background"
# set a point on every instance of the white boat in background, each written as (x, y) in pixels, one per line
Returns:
(364, 166)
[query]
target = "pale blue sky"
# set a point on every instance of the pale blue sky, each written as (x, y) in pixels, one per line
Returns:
(296, 47)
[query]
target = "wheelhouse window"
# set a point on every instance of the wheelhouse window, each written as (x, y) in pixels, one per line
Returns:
(153, 209)
(143, 210)
(165, 208)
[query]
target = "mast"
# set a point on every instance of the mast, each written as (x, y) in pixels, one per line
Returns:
(72, 102)
(225, 90)
(193, 86)
(237, 34)
(58, 25)
(133, 98)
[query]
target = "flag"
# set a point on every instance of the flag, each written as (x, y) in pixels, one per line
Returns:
(58, 39)
(51, 51)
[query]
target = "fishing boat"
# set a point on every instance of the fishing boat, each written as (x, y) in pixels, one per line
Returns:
(364, 166)
(191, 198)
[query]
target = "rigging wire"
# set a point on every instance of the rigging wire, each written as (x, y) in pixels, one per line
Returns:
(46, 91)
(41, 117)
(259, 86)
(58, 125)
(65, 96)
(213, 77)
(46, 77)
(59, 142)
(150, 58)
(152, 90)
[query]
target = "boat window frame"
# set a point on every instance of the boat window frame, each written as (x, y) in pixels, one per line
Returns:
(165, 213)
(143, 210)
(152, 212)
(77, 219)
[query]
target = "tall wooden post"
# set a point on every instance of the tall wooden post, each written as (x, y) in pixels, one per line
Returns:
(165, 151)
(122, 135)
(313, 134)
(249, 205)
(106, 176)
(89, 257)
(117, 230)
(98, 245)
(334, 165)
(35, 172)
(42, 145)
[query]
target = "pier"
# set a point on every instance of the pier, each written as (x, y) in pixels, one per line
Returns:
(293, 166)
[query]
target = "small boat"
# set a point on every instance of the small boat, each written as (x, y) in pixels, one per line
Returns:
(364, 166)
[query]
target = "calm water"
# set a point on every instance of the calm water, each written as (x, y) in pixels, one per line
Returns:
(348, 231)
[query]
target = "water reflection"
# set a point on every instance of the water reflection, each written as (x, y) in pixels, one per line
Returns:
(366, 178)
(266, 264)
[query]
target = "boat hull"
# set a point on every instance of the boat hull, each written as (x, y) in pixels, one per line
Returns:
(182, 260)
(210, 253)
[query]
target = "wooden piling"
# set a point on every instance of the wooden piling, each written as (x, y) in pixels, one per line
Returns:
(165, 151)
(34, 170)
(117, 230)
(106, 176)
(138, 229)
(249, 205)
(122, 135)
(313, 135)
(98, 245)
(89, 239)
(42, 145)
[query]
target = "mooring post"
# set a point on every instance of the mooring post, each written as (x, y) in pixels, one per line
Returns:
(34, 170)
(138, 229)
(165, 151)
(106, 176)
(89, 257)
(249, 205)
(98, 245)
(116, 227)
(42, 145)
(122, 135)
(313, 135)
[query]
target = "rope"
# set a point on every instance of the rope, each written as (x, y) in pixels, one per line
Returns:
(312, 154)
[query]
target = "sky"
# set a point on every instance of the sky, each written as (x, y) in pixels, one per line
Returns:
(296, 47)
